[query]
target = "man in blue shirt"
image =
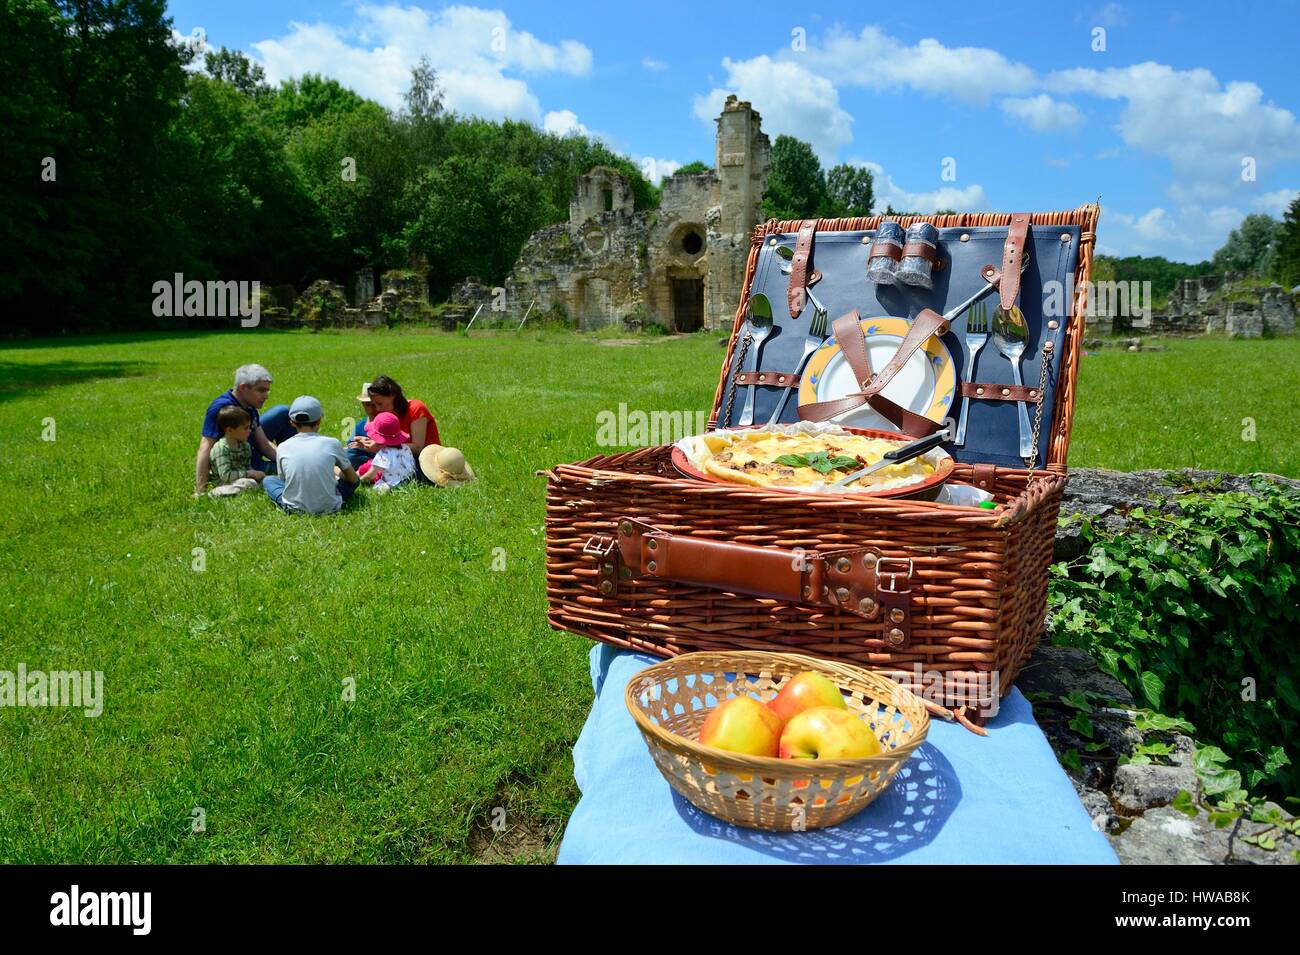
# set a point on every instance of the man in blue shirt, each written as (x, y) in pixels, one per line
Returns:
(252, 386)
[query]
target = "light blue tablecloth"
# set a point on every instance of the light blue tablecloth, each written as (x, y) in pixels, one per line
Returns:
(960, 799)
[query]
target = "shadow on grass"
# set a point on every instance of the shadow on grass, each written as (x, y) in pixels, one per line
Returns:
(20, 378)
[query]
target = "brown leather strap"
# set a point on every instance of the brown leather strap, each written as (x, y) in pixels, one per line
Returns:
(845, 579)
(993, 392)
(796, 295)
(984, 476)
(782, 379)
(854, 349)
(922, 250)
(894, 591)
(1013, 251)
(888, 249)
(926, 324)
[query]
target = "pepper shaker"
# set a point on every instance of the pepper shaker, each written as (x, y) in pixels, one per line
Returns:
(886, 250)
(918, 256)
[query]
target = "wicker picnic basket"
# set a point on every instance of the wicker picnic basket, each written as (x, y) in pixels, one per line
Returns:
(669, 702)
(944, 599)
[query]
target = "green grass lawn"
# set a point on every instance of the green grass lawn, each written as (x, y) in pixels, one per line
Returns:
(224, 687)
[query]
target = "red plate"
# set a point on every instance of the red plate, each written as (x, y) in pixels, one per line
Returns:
(926, 489)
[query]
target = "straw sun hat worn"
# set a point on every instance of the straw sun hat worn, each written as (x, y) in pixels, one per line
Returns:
(445, 467)
(365, 397)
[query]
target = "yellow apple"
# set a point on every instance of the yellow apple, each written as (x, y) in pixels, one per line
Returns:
(742, 725)
(827, 732)
(803, 692)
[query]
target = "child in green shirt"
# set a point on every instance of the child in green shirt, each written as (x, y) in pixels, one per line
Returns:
(232, 455)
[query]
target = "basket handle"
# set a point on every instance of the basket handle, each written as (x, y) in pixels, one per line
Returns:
(858, 580)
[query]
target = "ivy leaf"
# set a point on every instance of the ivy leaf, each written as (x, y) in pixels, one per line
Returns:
(1081, 725)
(1070, 760)
(1078, 701)
(1184, 804)
(1153, 688)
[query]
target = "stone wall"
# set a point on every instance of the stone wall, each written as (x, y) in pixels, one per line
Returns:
(681, 265)
(1226, 305)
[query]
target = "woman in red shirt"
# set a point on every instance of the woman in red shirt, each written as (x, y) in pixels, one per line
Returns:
(415, 417)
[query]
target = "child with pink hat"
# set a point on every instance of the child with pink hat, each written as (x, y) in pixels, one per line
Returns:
(393, 463)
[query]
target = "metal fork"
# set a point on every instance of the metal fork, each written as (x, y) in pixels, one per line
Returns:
(812, 341)
(760, 326)
(977, 333)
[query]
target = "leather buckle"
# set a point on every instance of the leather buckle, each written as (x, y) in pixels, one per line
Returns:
(881, 572)
(604, 549)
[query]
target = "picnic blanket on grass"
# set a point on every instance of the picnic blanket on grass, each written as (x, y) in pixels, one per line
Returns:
(960, 799)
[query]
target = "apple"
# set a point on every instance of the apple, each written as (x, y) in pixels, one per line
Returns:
(742, 725)
(828, 732)
(803, 692)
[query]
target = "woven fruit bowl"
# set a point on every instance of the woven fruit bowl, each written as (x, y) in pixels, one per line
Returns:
(671, 700)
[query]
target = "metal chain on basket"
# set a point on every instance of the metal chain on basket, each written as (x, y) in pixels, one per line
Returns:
(731, 392)
(1031, 459)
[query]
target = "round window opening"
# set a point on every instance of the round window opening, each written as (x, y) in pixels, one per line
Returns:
(692, 243)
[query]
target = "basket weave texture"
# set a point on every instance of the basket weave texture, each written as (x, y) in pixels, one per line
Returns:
(670, 701)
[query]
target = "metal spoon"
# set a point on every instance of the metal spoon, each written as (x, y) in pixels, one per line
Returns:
(1010, 336)
(760, 326)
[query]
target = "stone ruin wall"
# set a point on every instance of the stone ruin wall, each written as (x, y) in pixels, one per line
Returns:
(1214, 305)
(609, 264)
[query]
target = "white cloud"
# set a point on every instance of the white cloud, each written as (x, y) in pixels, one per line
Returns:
(656, 170)
(889, 193)
(655, 66)
(1043, 114)
(1203, 128)
(791, 99)
(1275, 203)
(878, 61)
(472, 49)
(1188, 233)
(563, 122)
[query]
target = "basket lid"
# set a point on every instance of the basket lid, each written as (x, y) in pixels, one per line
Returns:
(828, 259)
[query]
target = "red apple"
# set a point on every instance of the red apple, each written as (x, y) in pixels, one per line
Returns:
(742, 725)
(828, 732)
(803, 692)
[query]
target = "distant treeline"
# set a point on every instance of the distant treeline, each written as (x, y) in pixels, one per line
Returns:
(129, 164)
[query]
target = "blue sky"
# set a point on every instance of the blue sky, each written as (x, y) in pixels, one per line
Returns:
(1182, 117)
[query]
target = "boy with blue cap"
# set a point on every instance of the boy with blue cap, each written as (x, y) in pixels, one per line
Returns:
(306, 483)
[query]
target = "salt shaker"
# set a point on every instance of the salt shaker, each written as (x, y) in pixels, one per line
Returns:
(918, 255)
(885, 253)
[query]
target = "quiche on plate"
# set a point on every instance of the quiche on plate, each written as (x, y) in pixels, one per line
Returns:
(806, 460)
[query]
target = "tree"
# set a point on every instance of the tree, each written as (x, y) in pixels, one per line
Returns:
(695, 166)
(90, 222)
(851, 190)
(298, 103)
(231, 66)
(796, 186)
(423, 97)
(471, 216)
(1249, 246)
(1287, 261)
